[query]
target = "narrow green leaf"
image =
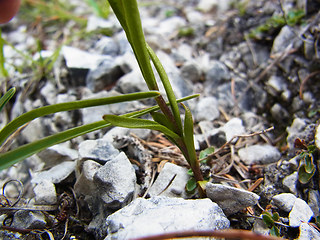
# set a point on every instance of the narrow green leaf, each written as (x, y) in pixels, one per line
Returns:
(126, 122)
(6, 97)
(191, 185)
(128, 14)
(308, 160)
(11, 157)
(188, 137)
(162, 119)
(42, 111)
(168, 88)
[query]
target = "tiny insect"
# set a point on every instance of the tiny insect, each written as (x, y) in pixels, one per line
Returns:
(300, 144)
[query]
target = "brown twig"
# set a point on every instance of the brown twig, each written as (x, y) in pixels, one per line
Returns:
(230, 234)
(304, 81)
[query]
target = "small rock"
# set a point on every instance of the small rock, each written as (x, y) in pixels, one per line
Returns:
(291, 181)
(24, 219)
(286, 37)
(284, 201)
(233, 128)
(56, 174)
(279, 113)
(300, 212)
(116, 182)
(314, 201)
(84, 184)
(57, 154)
(307, 232)
(107, 46)
(157, 215)
(34, 131)
(175, 188)
(118, 132)
(207, 109)
(99, 150)
(191, 71)
(170, 25)
(96, 23)
(45, 193)
(230, 199)
(49, 93)
(259, 154)
(103, 76)
(132, 82)
(317, 137)
(217, 74)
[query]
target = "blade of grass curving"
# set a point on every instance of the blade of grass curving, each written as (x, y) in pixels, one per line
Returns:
(6, 97)
(117, 7)
(42, 111)
(163, 120)
(3, 70)
(127, 122)
(9, 158)
(188, 136)
(137, 41)
(168, 88)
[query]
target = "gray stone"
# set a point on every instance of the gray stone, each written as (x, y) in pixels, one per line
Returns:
(145, 217)
(95, 23)
(259, 154)
(132, 82)
(191, 71)
(107, 46)
(217, 74)
(291, 181)
(307, 232)
(317, 137)
(49, 92)
(207, 109)
(284, 201)
(34, 131)
(164, 186)
(300, 212)
(314, 201)
(118, 132)
(24, 219)
(57, 154)
(233, 128)
(296, 130)
(116, 182)
(79, 59)
(279, 113)
(99, 149)
(84, 184)
(286, 37)
(105, 75)
(170, 25)
(45, 193)
(276, 85)
(230, 199)
(56, 174)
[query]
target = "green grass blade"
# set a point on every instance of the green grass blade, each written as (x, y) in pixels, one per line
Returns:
(11, 157)
(3, 70)
(127, 122)
(6, 97)
(163, 120)
(168, 88)
(128, 15)
(39, 112)
(188, 137)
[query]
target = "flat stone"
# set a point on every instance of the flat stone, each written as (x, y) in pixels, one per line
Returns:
(307, 232)
(291, 181)
(259, 154)
(100, 149)
(45, 193)
(301, 212)
(230, 199)
(116, 182)
(233, 128)
(284, 201)
(56, 174)
(145, 217)
(207, 109)
(24, 219)
(171, 182)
